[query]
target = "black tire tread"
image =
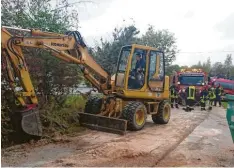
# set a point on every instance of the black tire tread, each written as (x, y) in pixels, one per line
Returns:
(129, 112)
(93, 105)
(158, 118)
(96, 105)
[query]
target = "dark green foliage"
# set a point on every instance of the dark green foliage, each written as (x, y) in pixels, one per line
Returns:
(51, 77)
(163, 40)
(107, 53)
(170, 69)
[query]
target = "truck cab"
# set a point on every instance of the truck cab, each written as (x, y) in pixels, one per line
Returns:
(188, 77)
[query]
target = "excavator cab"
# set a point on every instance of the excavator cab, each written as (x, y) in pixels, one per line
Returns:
(140, 70)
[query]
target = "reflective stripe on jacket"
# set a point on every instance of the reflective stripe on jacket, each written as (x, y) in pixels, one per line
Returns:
(191, 93)
(211, 94)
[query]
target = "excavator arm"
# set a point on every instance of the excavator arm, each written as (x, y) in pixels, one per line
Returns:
(68, 47)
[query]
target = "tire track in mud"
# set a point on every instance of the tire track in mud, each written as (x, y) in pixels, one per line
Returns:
(141, 148)
(148, 159)
(179, 142)
(209, 144)
(132, 149)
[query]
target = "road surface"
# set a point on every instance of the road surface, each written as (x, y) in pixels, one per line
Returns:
(190, 139)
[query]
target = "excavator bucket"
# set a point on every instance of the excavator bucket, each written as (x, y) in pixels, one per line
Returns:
(102, 123)
(28, 122)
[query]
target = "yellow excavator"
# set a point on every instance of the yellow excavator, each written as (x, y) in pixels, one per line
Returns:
(138, 88)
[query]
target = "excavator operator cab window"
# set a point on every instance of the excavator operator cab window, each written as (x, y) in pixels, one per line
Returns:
(156, 71)
(122, 65)
(136, 78)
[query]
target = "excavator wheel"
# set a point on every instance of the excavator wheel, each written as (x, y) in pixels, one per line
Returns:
(88, 105)
(135, 113)
(96, 106)
(163, 115)
(93, 105)
(27, 125)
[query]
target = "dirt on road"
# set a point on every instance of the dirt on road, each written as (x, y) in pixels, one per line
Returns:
(190, 138)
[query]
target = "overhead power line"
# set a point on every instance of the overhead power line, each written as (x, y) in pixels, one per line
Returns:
(201, 52)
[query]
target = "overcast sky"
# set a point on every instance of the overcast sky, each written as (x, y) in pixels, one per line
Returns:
(203, 28)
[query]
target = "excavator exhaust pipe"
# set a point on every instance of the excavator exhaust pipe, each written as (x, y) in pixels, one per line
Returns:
(103, 123)
(28, 122)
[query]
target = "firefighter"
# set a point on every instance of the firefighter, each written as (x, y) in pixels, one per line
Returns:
(203, 98)
(174, 95)
(218, 93)
(190, 97)
(211, 96)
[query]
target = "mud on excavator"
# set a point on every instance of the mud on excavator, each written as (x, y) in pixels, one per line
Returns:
(128, 96)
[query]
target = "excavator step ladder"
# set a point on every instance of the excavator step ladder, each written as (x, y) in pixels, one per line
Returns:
(103, 123)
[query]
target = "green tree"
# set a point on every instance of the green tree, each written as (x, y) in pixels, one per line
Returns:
(218, 69)
(107, 53)
(163, 40)
(228, 65)
(48, 73)
(171, 68)
(207, 65)
(184, 67)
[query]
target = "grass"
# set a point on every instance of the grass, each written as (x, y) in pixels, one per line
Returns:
(56, 118)
(63, 118)
(75, 102)
(225, 104)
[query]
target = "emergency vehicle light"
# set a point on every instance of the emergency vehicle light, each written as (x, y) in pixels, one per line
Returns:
(191, 70)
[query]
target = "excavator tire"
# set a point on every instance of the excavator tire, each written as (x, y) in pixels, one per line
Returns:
(93, 105)
(135, 113)
(96, 106)
(88, 105)
(164, 113)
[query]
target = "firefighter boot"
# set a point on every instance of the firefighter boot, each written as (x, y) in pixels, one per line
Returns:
(172, 106)
(203, 108)
(190, 108)
(176, 106)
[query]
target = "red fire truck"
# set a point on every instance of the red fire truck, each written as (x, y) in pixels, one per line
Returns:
(228, 85)
(188, 77)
